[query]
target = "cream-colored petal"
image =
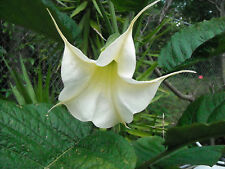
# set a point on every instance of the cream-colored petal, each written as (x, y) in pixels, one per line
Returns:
(122, 50)
(75, 73)
(76, 68)
(77, 52)
(106, 114)
(97, 100)
(95, 103)
(136, 95)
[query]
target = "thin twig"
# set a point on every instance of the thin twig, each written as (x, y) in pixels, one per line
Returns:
(190, 98)
(165, 9)
(215, 3)
(146, 25)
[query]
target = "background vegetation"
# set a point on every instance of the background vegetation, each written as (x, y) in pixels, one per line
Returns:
(174, 35)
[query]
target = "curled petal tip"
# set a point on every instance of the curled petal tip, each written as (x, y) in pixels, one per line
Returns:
(126, 125)
(57, 27)
(55, 106)
(143, 10)
(189, 71)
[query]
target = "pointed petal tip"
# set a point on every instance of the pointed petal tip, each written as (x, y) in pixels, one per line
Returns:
(57, 27)
(126, 126)
(58, 104)
(143, 10)
(178, 72)
(188, 71)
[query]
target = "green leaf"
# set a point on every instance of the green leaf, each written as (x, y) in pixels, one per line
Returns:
(31, 138)
(33, 15)
(19, 84)
(29, 87)
(80, 8)
(100, 150)
(17, 95)
(148, 147)
(97, 7)
(148, 72)
(207, 155)
(192, 133)
(205, 109)
(151, 151)
(110, 40)
(183, 43)
(128, 5)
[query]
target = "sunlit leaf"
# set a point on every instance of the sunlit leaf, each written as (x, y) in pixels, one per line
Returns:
(183, 43)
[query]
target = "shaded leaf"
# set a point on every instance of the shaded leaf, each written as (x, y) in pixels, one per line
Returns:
(147, 148)
(33, 15)
(207, 155)
(128, 5)
(192, 133)
(205, 109)
(29, 137)
(100, 150)
(80, 8)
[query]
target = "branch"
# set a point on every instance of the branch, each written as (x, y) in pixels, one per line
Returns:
(190, 98)
(164, 10)
(222, 8)
(215, 3)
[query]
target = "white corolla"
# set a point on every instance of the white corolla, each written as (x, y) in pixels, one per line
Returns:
(102, 90)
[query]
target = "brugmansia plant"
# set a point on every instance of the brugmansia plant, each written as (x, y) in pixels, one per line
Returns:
(103, 91)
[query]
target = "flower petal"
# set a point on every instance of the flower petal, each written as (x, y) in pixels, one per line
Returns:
(136, 95)
(76, 68)
(77, 52)
(74, 72)
(122, 50)
(95, 103)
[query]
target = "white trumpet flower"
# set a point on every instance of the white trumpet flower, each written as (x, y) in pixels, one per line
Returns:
(102, 90)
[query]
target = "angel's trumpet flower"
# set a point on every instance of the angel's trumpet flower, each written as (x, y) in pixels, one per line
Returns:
(102, 90)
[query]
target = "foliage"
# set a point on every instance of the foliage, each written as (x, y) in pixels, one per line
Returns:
(56, 140)
(207, 108)
(126, 5)
(33, 15)
(151, 151)
(30, 136)
(193, 133)
(184, 42)
(27, 94)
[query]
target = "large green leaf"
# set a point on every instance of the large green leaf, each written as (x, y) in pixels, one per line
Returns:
(147, 148)
(33, 15)
(100, 150)
(31, 138)
(180, 136)
(207, 155)
(183, 43)
(151, 152)
(205, 109)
